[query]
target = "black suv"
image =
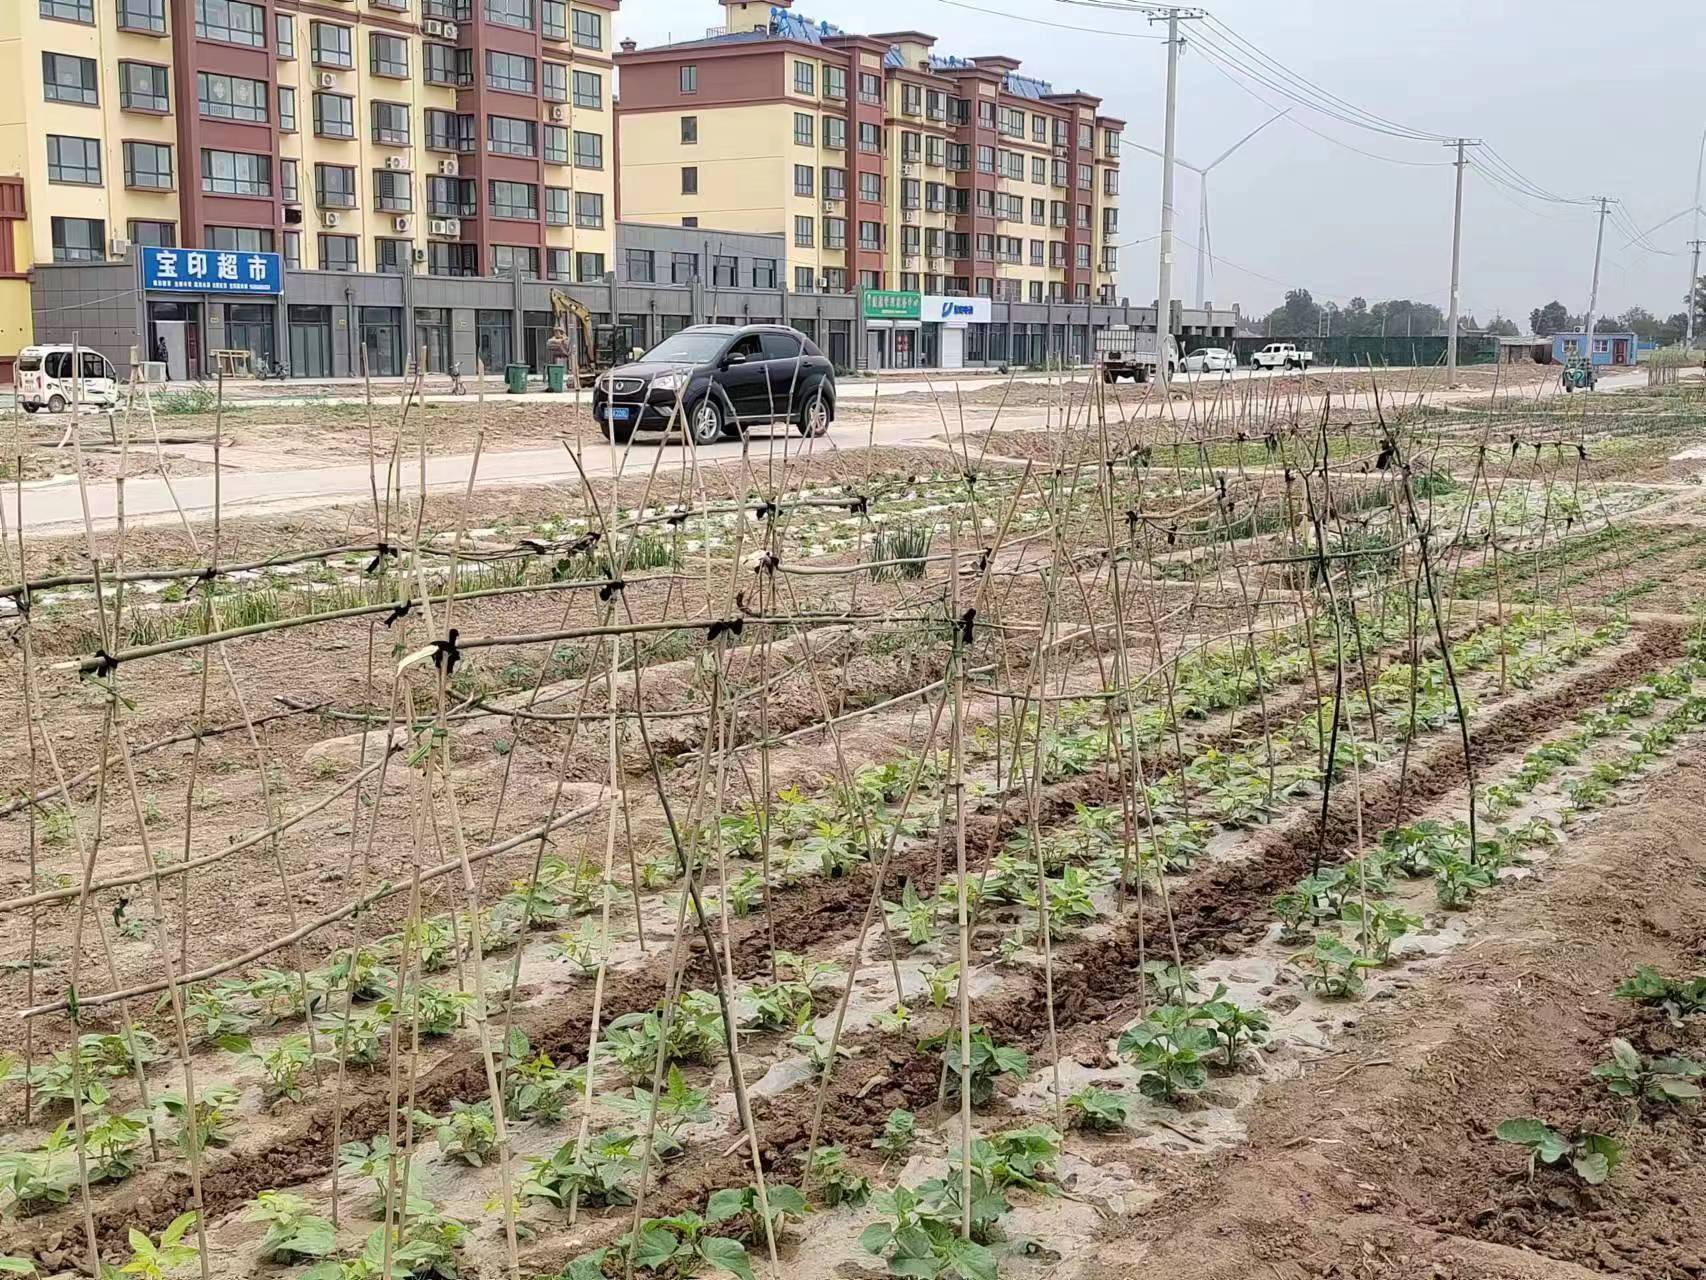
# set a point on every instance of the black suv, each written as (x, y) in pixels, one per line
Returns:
(725, 378)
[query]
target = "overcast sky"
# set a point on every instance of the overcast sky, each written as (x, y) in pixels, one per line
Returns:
(1293, 209)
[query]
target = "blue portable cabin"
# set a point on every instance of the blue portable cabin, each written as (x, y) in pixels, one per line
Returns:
(1610, 350)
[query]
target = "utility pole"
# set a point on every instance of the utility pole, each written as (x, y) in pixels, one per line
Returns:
(1694, 266)
(1164, 283)
(1693, 290)
(1456, 263)
(1593, 292)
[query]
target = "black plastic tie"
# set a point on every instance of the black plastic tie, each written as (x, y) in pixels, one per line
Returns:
(610, 588)
(725, 627)
(400, 611)
(967, 626)
(105, 663)
(445, 654)
(381, 551)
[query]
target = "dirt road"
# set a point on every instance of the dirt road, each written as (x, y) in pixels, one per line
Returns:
(261, 483)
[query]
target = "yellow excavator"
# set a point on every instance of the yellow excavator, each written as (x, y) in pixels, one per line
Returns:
(598, 347)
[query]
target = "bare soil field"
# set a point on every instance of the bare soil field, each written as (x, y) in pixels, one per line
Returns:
(1087, 846)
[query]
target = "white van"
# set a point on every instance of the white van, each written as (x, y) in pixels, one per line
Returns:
(44, 379)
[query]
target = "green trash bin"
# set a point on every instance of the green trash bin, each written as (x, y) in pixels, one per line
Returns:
(556, 376)
(515, 377)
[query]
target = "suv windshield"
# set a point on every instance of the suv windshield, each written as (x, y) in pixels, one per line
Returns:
(688, 347)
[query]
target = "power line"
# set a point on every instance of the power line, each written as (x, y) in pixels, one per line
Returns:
(1044, 22)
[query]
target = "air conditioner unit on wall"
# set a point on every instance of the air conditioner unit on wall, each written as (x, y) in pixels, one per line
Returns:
(329, 218)
(449, 30)
(448, 167)
(419, 255)
(453, 227)
(328, 80)
(558, 113)
(433, 27)
(400, 224)
(438, 227)
(394, 162)
(119, 247)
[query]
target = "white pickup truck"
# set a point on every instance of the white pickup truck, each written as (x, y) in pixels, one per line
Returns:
(1281, 355)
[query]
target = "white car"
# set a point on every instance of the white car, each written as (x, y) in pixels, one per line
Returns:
(1210, 360)
(46, 381)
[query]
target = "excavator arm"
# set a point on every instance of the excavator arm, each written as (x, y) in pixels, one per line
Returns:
(564, 306)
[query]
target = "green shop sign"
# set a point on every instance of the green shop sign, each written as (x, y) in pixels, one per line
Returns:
(891, 304)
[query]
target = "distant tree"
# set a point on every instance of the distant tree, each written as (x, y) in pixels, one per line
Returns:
(1402, 318)
(1503, 328)
(1673, 330)
(1550, 319)
(1299, 317)
(1637, 320)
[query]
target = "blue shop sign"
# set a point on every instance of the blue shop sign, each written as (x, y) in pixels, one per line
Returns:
(210, 271)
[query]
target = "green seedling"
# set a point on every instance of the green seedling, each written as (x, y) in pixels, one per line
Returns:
(988, 1063)
(831, 1174)
(900, 1131)
(1630, 1074)
(1330, 968)
(294, 1231)
(1592, 1156)
(1098, 1110)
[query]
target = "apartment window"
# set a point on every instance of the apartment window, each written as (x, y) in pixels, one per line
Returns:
(1084, 217)
(391, 256)
(391, 123)
(690, 222)
(802, 129)
(803, 176)
(870, 88)
(804, 282)
(1110, 182)
(689, 130)
(334, 115)
(835, 233)
(559, 265)
(286, 109)
(985, 204)
(911, 193)
(870, 235)
(589, 29)
(804, 229)
(511, 13)
(79, 240)
(554, 19)
(640, 266)
(871, 138)
(331, 45)
(835, 133)
(589, 150)
(231, 21)
(450, 259)
(556, 206)
(909, 281)
(556, 144)
(231, 97)
(510, 72)
(142, 86)
(74, 160)
(764, 273)
(338, 253)
(65, 78)
(1039, 171)
(683, 268)
(155, 235)
(911, 99)
(986, 115)
(235, 173)
(589, 209)
(835, 83)
(911, 144)
(554, 82)
(238, 239)
(589, 91)
(834, 184)
(513, 200)
(393, 191)
(690, 78)
(834, 280)
(589, 267)
(1037, 249)
(509, 137)
(288, 187)
(1039, 128)
(69, 10)
(805, 77)
(447, 131)
(1085, 180)
(148, 166)
(1081, 254)
(334, 186)
(438, 64)
(936, 152)
(388, 55)
(985, 245)
(986, 159)
(1012, 122)
(450, 197)
(293, 250)
(689, 180)
(284, 36)
(936, 106)
(147, 16)
(871, 187)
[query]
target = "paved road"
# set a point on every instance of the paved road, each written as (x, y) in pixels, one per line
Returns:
(55, 506)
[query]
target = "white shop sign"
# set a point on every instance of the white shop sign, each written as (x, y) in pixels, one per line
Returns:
(954, 312)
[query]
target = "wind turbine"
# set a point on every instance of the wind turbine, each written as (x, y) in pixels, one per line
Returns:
(1204, 250)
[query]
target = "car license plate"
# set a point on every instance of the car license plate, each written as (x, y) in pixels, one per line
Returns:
(619, 413)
